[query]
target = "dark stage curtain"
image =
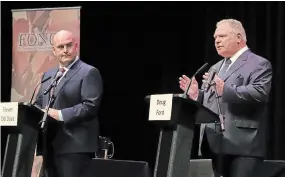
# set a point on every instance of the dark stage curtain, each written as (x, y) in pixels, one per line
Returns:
(142, 48)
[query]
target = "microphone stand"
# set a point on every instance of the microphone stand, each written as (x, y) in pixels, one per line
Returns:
(185, 95)
(221, 116)
(44, 125)
(222, 123)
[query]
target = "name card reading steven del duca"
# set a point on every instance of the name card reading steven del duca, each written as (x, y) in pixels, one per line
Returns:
(160, 107)
(9, 114)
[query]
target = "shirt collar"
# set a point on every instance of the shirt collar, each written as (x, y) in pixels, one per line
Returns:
(70, 65)
(238, 53)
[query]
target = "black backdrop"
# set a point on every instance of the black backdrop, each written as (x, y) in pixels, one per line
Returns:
(142, 48)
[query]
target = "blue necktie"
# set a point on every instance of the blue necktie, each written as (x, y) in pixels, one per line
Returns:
(224, 69)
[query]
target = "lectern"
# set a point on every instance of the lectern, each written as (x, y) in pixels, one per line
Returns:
(21, 142)
(176, 116)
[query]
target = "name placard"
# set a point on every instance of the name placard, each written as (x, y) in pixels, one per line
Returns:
(160, 107)
(9, 114)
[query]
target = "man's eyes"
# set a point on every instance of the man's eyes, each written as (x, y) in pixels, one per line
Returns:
(62, 46)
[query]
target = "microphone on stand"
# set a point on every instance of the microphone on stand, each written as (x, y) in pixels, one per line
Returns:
(57, 77)
(197, 72)
(43, 81)
(53, 84)
(44, 121)
(211, 77)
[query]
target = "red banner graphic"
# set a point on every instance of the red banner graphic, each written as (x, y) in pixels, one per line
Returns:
(33, 31)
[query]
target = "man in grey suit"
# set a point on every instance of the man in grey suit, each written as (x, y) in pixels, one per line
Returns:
(243, 83)
(73, 129)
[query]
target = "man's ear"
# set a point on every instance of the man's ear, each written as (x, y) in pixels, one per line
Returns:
(76, 46)
(53, 50)
(239, 37)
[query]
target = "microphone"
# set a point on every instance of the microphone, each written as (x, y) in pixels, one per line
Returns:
(208, 82)
(57, 77)
(197, 72)
(43, 81)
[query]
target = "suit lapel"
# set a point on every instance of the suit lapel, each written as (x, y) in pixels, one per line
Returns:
(219, 65)
(236, 65)
(70, 73)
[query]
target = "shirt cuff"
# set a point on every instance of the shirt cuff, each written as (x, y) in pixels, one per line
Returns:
(195, 97)
(60, 118)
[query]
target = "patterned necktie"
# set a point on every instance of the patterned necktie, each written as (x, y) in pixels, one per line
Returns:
(62, 70)
(225, 67)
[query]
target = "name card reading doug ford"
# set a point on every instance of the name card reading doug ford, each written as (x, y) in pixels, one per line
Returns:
(160, 107)
(9, 114)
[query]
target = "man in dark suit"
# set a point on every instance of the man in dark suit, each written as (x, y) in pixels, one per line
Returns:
(243, 83)
(73, 129)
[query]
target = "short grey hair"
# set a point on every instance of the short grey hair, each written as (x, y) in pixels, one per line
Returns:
(235, 25)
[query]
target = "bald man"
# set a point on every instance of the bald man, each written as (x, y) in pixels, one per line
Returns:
(72, 130)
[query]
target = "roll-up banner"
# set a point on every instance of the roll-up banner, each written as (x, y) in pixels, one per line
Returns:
(33, 31)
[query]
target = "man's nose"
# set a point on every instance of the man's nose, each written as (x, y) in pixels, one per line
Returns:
(65, 49)
(217, 40)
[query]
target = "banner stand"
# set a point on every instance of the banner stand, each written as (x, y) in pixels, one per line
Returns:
(33, 31)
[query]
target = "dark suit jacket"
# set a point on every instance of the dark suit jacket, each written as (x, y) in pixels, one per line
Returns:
(78, 96)
(243, 103)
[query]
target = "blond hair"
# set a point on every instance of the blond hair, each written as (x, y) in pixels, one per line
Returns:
(235, 25)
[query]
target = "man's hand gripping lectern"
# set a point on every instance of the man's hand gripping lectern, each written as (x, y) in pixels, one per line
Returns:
(176, 117)
(22, 123)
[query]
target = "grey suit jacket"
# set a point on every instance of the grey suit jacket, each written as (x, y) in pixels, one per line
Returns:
(244, 106)
(78, 96)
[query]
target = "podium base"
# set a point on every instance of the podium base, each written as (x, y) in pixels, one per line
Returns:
(174, 152)
(19, 153)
